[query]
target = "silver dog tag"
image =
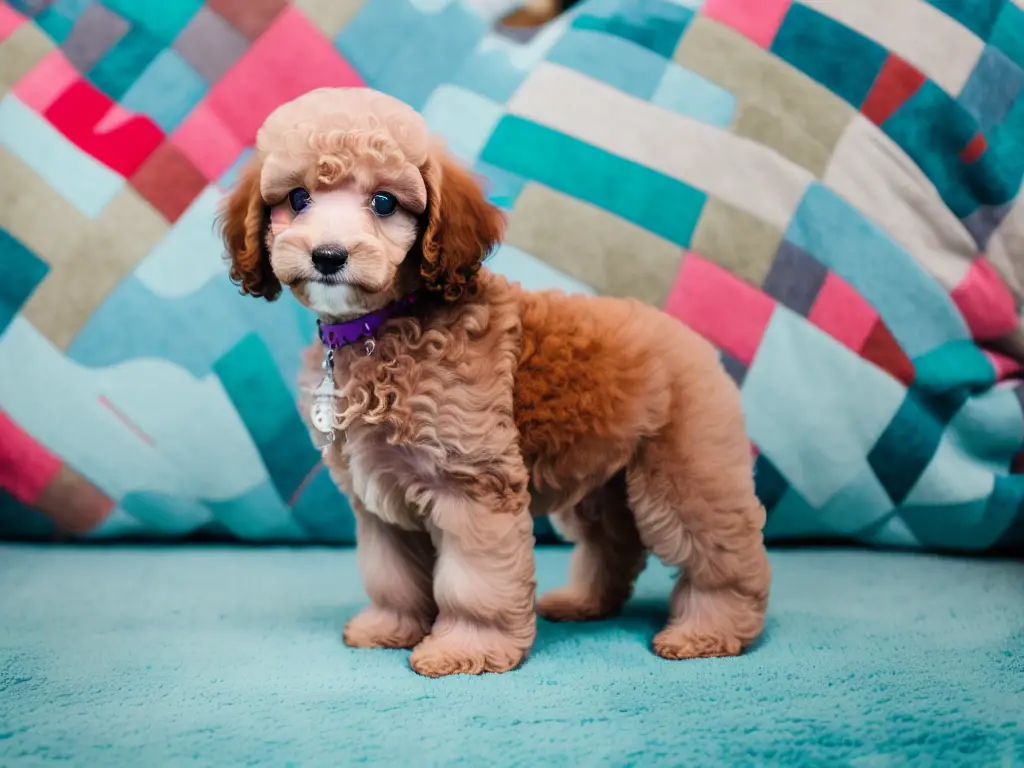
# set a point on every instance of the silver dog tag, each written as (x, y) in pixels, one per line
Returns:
(321, 412)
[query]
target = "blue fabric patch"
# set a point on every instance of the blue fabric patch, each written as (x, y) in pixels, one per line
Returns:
(406, 53)
(835, 233)
(611, 60)
(994, 86)
(652, 24)
(166, 91)
(687, 93)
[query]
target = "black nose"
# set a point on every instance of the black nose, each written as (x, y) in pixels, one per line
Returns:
(328, 259)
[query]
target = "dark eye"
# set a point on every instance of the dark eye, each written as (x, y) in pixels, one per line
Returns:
(299, 199)
(384, 203)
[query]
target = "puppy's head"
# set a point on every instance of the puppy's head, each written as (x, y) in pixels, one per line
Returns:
(350, 204)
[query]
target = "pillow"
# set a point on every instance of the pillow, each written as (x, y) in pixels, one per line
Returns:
(826, 190)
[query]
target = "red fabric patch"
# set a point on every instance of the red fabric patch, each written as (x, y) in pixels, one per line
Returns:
(26, 467)
(985, 302)
(1017, 465)
(77, 112)
(843, 313)
(974, 149)
(74, 504)
(896, 83)
(884, 351)
(169, 181)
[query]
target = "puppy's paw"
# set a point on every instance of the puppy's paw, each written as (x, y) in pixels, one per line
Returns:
(568, 604)
(465, 651)
(382, 628)
(684, 643)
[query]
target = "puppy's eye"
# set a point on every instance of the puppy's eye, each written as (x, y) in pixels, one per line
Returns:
(384, 203)
(299, 199)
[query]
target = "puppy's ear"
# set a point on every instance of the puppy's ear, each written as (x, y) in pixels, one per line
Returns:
(462, 226)
(244, 221)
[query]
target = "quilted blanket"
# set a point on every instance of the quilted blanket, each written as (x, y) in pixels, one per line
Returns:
(826, 189)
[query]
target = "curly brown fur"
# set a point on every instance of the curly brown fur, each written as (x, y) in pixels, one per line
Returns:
(491, 403)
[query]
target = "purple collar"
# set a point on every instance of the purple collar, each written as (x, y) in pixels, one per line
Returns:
(338, 335)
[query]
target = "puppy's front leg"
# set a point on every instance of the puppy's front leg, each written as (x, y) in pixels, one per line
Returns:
(484, 585)
(396, 566)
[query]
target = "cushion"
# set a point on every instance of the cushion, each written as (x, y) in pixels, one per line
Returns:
(828, 191)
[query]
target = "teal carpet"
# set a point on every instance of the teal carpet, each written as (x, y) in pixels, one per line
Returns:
(150, 656)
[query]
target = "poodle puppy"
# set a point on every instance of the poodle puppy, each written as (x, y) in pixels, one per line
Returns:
(463, 404)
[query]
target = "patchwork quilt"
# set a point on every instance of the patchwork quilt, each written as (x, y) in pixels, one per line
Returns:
(828, 190)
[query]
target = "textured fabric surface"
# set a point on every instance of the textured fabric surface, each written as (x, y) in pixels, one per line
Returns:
(827, 189)
(136, 657)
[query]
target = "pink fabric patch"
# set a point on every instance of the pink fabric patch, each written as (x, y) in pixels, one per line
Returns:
(291, 57)
(758, 20)
(116, 117)
(10, 20)
(26, 467)
(205, 140)
(985, 301)
(46, 81)
(1004, 366)
(722, 308)
(843, 313)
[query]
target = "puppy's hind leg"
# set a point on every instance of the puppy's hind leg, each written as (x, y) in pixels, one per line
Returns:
(691, 489)
(606, 560)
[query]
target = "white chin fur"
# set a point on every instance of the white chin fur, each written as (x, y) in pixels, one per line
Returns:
(333, 300)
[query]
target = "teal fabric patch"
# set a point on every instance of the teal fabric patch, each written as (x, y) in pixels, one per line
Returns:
(58, 18)
(973, 525)
(951, 373)
(933, 129)
(652, 200)
(1008, 33)
(906, 447)
(164, 515)
(977, 15)
(163, 19)
(768, 482)
(267, 408)
(1005, 155)
(167, 91)
(21, 522)
(612, 60)
(323, 511)
(259, 513)
(22, 272)
(842, 60)
(115, 73)
(652, 24)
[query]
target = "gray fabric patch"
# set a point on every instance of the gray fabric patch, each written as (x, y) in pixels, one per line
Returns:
(984, 221)
(95, 33)
(795, 278)
(210, 44)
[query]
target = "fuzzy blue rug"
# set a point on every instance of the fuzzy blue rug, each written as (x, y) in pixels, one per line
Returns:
(228, 656)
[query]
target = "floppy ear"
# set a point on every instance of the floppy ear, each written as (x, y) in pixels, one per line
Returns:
(462, 226)
(244, 223)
